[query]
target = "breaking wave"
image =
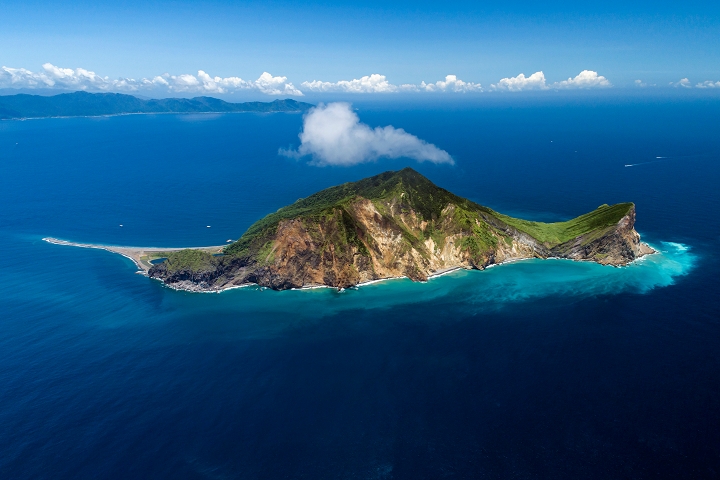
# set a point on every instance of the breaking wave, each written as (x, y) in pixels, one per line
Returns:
(514, 282)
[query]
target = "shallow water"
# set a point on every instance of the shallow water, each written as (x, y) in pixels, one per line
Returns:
(540, 368)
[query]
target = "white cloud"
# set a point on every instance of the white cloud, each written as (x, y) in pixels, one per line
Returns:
(374, 83)
(536, 81)
(684, 82)
(585, 79)
(641, 84)
(333, 135)
(275, 85)
(81, 79)
(52, 77)
(377, 83)
(708, 84)
(452, 84)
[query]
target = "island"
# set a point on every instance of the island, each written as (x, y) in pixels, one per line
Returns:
(85, 104)
(395, 224)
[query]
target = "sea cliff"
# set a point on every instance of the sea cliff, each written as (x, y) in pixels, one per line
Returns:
(391, 225)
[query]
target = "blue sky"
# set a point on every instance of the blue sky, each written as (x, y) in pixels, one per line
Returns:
(406, 42)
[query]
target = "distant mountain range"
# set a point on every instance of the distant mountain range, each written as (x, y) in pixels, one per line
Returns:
(81, 104)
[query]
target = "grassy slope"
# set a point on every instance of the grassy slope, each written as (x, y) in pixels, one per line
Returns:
(420, 194)
(189, 259)
(556, 233)
(427, 200)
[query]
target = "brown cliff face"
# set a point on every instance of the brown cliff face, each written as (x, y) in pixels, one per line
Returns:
(413, 229)
(616, 245)
(303, 253)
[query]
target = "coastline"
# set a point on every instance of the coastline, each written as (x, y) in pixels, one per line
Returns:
(108, 115)
(141, 256)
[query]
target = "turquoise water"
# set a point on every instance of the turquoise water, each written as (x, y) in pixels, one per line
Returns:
(535, 369)
(521, 281)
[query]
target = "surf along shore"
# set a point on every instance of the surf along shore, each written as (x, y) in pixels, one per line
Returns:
(143, 256)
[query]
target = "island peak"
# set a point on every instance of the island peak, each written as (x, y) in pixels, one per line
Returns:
(397, 223)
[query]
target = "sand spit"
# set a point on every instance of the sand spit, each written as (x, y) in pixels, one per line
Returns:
(141, 256)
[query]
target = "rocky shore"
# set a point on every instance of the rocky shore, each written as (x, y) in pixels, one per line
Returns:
(396, 224)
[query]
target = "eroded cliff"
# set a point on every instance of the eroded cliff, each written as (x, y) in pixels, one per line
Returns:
(395, 224)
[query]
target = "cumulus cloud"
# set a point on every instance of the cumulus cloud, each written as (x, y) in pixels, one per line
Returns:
(585, 79)
(641, 84)
(52, 76)
(708, 84)
(451, 84)
(333, 135)
(275, 85)
(374, 83)
(536, 81)
(377, 83)
(81, 79)
(683, 82)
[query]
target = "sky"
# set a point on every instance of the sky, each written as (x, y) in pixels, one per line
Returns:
(296, 49)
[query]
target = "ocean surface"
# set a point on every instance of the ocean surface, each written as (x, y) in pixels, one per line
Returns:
(537, 369)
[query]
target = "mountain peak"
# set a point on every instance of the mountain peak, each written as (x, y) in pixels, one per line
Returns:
(396, 223)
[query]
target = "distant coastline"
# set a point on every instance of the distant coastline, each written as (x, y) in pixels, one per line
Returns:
(83, 104)
(109, 115)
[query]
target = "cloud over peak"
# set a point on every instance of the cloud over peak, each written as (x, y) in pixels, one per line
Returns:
(333, 135)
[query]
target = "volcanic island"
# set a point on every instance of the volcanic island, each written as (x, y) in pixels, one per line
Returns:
(395, 224)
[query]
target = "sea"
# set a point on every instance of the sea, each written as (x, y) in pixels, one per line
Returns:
(540, 369)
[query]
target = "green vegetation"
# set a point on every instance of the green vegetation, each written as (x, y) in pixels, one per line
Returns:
(412, 189)
(326, 218)
(85, 104)
(556, 233)
(479, 240)
(190, 259)
(351, 233)
(337, 238)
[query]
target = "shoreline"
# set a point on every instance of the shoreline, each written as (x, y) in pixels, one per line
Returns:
(140, 257)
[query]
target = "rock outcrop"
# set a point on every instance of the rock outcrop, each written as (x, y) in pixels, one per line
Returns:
(395, 224)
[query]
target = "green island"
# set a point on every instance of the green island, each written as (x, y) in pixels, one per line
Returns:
(83, 104)
(394, 224)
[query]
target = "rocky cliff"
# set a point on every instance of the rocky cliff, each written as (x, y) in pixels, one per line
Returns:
(395, 224)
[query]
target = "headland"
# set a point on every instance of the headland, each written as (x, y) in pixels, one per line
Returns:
(141, 256)
(392, 225)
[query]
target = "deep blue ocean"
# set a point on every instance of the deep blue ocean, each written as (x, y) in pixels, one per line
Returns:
(538, 369)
